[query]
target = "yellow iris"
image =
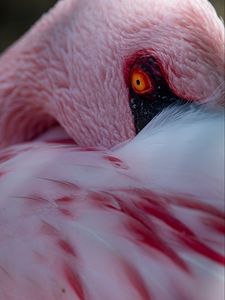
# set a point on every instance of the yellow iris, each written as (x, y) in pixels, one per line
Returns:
(140, 81)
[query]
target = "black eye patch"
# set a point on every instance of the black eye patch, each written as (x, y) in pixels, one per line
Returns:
(145, 107)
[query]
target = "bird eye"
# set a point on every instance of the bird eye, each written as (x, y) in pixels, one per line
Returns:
(140, 81)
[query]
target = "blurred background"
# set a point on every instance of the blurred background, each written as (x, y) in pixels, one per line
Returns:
(16, 16)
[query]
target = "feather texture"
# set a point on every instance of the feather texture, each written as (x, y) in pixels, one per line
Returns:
(142, 221)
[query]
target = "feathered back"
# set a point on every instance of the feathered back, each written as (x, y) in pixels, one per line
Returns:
(143, 221)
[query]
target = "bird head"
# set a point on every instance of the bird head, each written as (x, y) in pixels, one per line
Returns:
(104, 69)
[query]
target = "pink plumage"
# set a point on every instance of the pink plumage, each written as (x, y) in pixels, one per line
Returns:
(69, 68)
(84, 224)
(144, 220)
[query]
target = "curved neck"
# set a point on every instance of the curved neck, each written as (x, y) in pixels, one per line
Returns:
(25, 89)
(22, 114)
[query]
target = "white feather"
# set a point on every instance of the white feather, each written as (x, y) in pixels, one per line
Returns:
(181, 150)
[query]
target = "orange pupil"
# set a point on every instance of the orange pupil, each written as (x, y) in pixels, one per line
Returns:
(140, 81)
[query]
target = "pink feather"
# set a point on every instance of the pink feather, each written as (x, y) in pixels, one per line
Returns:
(144, 220)
(121, 224)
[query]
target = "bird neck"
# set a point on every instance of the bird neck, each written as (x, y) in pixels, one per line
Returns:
(22, 114)
(25, 92)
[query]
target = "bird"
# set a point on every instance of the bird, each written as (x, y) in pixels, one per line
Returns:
(144, 220)
(112, 150)
(74, 67)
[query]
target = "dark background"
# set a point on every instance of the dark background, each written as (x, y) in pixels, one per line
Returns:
(16, 16)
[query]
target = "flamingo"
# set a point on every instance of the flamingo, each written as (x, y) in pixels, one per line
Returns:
(89, 209)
